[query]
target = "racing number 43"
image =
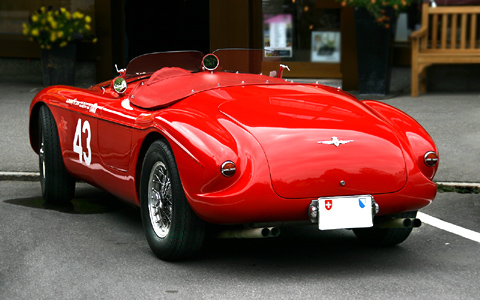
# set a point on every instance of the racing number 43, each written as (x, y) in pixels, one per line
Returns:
(83, 156)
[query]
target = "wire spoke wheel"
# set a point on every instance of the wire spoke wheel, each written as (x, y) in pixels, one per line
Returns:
(172, 229)
(160, 199)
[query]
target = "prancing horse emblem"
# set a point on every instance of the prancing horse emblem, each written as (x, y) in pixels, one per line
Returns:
(335, 141)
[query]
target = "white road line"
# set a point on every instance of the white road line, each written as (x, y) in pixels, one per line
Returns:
(466, 233)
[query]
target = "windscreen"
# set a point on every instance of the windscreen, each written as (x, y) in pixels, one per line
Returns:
(243, 60)
(149, 63)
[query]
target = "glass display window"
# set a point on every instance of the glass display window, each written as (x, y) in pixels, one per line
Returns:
(301, 31)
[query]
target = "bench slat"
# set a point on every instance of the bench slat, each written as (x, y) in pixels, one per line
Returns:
(453, 38)
(463, 31)
(473, 31)
(444, 31)
(434, 31)
(452, 10)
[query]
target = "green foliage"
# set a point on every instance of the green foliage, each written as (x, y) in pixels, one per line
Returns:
(377, 8)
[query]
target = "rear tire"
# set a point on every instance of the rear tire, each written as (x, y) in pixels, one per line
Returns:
(172, 229)
(385, 237)
(58, 186)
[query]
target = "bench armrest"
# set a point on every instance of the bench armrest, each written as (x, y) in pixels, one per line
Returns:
(419, 33)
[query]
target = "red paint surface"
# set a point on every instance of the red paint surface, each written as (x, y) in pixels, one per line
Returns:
(269, 130)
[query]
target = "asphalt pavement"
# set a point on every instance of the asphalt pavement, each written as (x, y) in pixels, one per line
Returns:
(452, 119)
(95, 248)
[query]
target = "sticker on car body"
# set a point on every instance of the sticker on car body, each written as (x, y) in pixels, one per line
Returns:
(81, 104)
(83, 156)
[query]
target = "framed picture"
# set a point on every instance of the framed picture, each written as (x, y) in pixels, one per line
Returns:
(277, 36)
(326, 46)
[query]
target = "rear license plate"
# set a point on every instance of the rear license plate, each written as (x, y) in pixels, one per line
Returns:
(345, 212)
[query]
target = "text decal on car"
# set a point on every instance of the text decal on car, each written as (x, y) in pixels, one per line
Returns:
(77, 142)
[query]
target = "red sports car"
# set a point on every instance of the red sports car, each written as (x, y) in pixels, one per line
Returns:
(195, 140)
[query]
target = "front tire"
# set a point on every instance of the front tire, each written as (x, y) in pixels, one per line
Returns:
(385, 237)
(58, 186)
(172, 229)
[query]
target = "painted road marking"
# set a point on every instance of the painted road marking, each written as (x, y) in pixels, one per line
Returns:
(466, 233)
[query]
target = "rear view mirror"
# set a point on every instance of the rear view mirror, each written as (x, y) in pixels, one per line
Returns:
(119, 85)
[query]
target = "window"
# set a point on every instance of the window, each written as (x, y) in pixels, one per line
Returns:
(301, 31)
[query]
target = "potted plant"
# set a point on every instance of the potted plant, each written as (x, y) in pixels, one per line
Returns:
(380, 10)
(57, 32)
(374, 20)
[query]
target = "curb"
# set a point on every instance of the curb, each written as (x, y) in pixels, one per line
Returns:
(460, 184)
(19, 176)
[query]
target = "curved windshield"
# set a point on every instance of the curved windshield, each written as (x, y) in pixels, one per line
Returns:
(149, 63)
(230, 60)
(243, 60)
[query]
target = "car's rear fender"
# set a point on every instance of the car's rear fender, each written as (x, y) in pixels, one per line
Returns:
(415, 139)
(200, 144)
(202, 139)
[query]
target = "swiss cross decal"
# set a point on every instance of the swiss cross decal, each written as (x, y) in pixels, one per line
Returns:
(328, 204)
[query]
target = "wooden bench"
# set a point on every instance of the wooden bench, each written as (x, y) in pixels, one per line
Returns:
(448, 35)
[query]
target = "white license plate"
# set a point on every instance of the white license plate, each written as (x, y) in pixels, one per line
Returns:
(345, 212)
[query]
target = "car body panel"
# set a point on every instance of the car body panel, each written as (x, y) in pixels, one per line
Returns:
(290, 126)
(268, 127)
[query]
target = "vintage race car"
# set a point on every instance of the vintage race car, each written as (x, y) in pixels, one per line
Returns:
(195, 140)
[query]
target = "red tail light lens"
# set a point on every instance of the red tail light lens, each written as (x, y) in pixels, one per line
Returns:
(228, 169)
(430, 158)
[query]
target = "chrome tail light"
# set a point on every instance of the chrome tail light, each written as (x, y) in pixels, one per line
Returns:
(430, 158)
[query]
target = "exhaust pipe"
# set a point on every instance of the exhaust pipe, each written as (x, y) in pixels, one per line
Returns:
(249, 233)
(399, 223)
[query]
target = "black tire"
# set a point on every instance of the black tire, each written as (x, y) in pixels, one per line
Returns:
(385, 237)
(58, 186)
(172, 229)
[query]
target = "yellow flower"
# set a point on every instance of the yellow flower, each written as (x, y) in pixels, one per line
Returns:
(77, 15)
(50, 27)
(94, 40)
(52, 22)
(25, 28)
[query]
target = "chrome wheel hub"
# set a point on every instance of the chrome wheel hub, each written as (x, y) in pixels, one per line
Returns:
(160, 199)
